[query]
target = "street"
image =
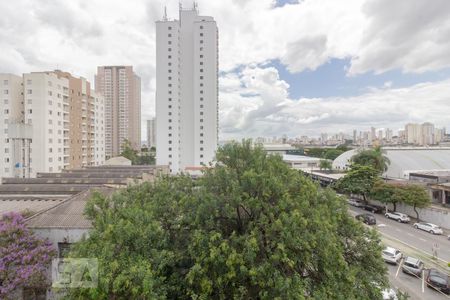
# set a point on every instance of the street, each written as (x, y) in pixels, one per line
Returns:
(407, 234)
(402, 237)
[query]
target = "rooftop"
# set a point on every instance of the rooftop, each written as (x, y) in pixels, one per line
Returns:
(68, 213)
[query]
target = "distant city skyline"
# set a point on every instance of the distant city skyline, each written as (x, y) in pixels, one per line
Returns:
(325, 66)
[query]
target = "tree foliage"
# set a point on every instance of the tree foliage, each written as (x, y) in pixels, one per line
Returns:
(325, 164)
(414, 195)
(359, 180)
(137, 158)
(250, 228)
(375, 158)
(24, 258)
(385, 193)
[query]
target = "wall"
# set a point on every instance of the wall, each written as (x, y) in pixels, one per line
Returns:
(435, 215)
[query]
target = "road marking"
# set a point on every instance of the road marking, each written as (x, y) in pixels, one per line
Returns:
(410, 234)
(423, 240)
(381, 225)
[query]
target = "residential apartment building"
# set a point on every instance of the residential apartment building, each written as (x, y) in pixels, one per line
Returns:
(186, 90)
(11, 112)
(121, 89)
(151, 133)
(52, 124)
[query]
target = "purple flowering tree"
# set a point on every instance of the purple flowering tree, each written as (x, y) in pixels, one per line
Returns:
(24, 258)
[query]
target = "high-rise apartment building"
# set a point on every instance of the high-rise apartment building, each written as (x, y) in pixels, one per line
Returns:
(121, 89)
(186, 90)
(50, 124)
(151, 133)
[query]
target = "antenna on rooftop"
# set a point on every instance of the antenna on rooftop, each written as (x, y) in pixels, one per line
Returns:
(165, 13)
(196, 6)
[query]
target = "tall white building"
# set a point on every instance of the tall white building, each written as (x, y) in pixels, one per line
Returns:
(186, 90)
(49, 124)
(151, 133)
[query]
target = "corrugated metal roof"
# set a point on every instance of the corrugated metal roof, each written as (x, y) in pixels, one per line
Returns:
(68, 214)
(24, 204)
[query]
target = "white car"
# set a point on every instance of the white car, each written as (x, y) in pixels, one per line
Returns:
(431, 228)
(399, 217)
(391, 255)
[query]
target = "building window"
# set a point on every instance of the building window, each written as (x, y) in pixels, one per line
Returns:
(169, 78)
(170, 120)
(170, 148)
(170, 155)
(201, 63)
(201, 134)
(5, 92)
(201, 70)
(201, 77)
(201, 84)
(5, 101)
(170, 142)
(201, 105)
(170, 99)
(170, 113)
(6, 111)
(170, 49)
(170, 71)
(5, 82)
(170, 106)
(201, 148)
(201, 113)
(201, 27)
(201, 48)
(50, 159)
(201, 155)
(201, 120)
(169, 57)
(201, 142)
(201, 91)
(169, 42)
(170, 135)
(201, 127)
(201, 33)
(201, 98)
(169, 63)
(50, 93)
(30, 101)
(169, 85)
(201, 55)
(201, 41)
(170, 28)
(7, 159)
(169, 35)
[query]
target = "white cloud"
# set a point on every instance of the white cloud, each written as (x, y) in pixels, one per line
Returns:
(376, 35)
(271, 112)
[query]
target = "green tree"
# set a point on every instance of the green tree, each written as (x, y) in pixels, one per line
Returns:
(137, 158)
(375, 157)
(129, 152)
(250, 228)
(414, 195)
(360, 180)
(325, 164)
(332, 154)
(385, 193)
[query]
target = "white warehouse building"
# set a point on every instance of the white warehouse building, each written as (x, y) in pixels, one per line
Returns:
(186, 91)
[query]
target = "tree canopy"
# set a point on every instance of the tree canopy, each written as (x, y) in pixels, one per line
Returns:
(250, 228)
(137, 158)
(325, 164)
(375, 158)
(359, 180)
(24, 258)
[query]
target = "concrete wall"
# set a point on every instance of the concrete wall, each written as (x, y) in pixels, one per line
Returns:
(435, 215)
(61, 235)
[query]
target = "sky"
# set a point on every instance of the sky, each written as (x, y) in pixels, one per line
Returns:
(287, 67)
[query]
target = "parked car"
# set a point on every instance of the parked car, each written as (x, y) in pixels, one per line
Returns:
(355, 202)
(373, 208)
(412, 266)
(438, 281)
(431, 228)
(399, 217)
(391, 255)
(367, 218)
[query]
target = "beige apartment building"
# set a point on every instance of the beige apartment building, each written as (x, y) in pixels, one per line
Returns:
(121, 89)
(51, 121)
(85, 113)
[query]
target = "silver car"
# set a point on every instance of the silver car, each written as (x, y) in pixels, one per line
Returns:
(399, 217)
(430, 227)
(412, 266)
